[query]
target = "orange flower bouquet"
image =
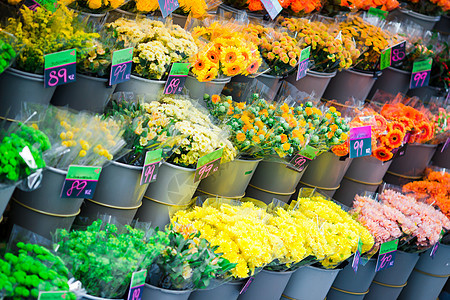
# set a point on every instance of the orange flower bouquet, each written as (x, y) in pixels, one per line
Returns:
(333, 7)
(224, 51)
(435, 187)
(386, 135)
(293, 7)
(280, 51)
(370, 40)
(328, 54)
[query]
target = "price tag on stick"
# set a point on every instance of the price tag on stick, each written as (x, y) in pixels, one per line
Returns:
(177, 78)
(357, 256)
(80, 182)
(360, 141)
(49, 5)
(421, 73)
(167, 7)
(60, 68)
(137, 285)
(53, 295)
(386, 257)
(302, 159)
(273, 7)
(393, 55)
(208, 164)
(121, 66)
(303, 65)
(151, 166)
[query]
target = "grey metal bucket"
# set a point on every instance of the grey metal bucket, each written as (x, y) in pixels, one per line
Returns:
(91, 210)
(47, 198)
(226, 291)
(6, 192)
(425, 93)
(349, 285)
(17, 87)
(119, 185)
(238, 12)
(151, 292)
(87, 93)
(417, 157)
(357, 179)
(174, 185)
(93, 19)
(40, 222)
(325, 173)
(198, 89)
(266, 196)
(388, 283)
(119, 13)
(276, 177)
(157, 213)
(231, 180)
(314, 81)
(267, 285)
(138, 85)
(309, 283)
(425, 21)
(441, 158)
(393, 81)
(429, 276)
(349, 83)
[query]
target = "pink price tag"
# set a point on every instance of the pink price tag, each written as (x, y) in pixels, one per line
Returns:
(273, 7)
(362, 132)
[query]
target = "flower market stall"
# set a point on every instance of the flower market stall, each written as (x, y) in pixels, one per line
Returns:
(235, 150)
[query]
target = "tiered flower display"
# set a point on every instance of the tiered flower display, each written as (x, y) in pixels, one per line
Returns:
(157, 45)
(328, 54)
(224, 51)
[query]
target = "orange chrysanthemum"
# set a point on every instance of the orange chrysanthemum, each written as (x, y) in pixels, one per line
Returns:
(382, 153)
(215, 99)
(340, 150)
(284, 138)
(240, 137)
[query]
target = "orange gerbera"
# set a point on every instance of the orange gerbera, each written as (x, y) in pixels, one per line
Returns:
(397, 126)
(253, 67)
(199, 64)
(408, 123)
(382, 153)
(381, 123)
(215, 99)
(213, 56)
(340, 150)
(284, 138)
(233, 70)
(425, 132)
(394, 138)
(240, 137)
(230, 56)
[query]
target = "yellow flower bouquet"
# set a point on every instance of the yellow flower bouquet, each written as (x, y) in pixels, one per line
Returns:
(328, 54)
(94, 6)
(223, 51)
(198, 8)
(157, 45)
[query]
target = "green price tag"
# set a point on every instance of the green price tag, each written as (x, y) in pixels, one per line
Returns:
(208, 164)
(60, 68)
(386, 256)
(151, 166)
(309, 152)
(60, 58)
(177, 78)
(137, 285)
(382, 14)
(80, 182)
(303, 64)
(49, 5)
(385, 59)
(357, 256)
(53, 295)
(423, 65)
(421, 73)
(121, 66)
(180, 69)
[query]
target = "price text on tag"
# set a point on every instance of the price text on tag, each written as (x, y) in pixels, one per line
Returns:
(304, 60)
(357, 256)
(60, 68)
(360, 141)
(382, 14)
(53, 296)
(151, 166)
(421, 73)
(137, 285)
(393, 55)
(273, 7)
(302, 159)
(49, 5)
(121, 66)
(81, 182)
(208, 164)
(167, 7)
(177, 78)
(386, 257)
